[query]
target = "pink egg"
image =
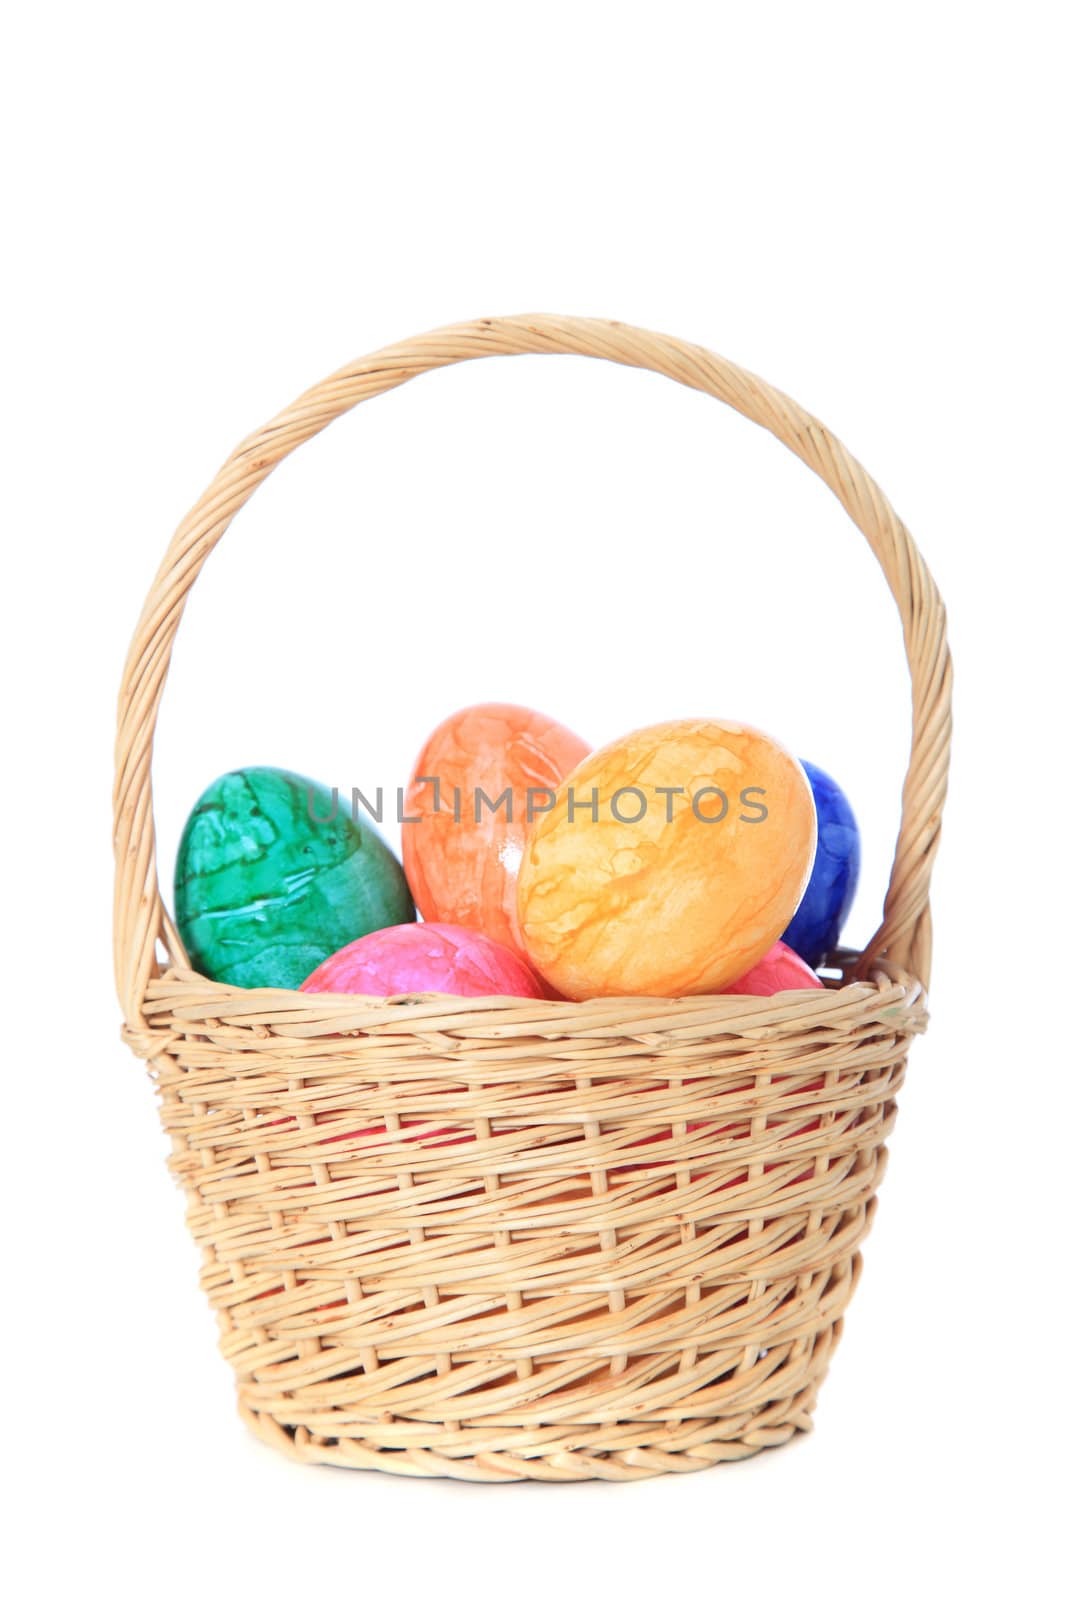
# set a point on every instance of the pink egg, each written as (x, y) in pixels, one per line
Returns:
(781, 968)
(425, 958)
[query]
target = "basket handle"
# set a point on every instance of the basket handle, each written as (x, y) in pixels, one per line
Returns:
(904, 936)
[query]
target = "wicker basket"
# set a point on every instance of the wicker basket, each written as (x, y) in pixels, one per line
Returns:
(499, 1239)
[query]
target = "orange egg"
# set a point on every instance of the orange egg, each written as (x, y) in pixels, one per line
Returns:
(686, 872)
(476, 788)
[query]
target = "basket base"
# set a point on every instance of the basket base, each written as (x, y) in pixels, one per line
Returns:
(569, 1454)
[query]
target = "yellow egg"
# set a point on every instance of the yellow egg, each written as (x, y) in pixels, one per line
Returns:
(669, 864)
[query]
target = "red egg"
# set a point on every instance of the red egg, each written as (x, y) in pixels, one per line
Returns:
(781, 968)
(478, 785)
(425, 958)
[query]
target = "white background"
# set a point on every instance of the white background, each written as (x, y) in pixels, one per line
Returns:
(207, 208)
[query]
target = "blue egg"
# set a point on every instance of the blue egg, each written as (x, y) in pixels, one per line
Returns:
(816, 928)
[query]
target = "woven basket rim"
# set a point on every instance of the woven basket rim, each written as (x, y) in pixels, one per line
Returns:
(256, 1020)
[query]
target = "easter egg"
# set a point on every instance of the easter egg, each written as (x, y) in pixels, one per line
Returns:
(816, 928)
(474, 794)
(781, 968)
(670, 863)
(272, 876)
(425, 958)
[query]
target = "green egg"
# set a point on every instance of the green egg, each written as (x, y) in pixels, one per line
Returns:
(274, 875)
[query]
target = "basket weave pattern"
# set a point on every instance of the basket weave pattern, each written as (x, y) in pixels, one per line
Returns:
(497, 1239)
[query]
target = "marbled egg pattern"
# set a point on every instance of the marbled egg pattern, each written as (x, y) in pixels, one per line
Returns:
(264, 893)
(667, 907)
(463, 869)
(425, 958)
(816, 928)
